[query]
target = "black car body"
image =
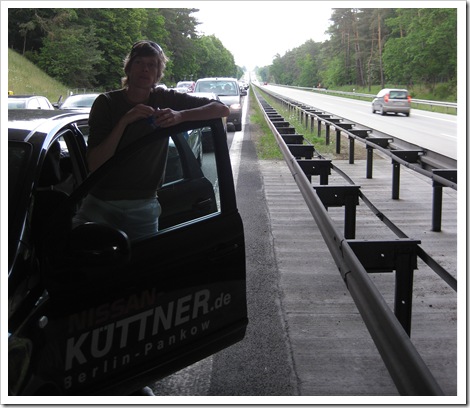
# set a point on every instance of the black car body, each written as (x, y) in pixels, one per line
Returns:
(91, 313)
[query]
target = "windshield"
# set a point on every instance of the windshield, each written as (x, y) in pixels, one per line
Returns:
(221, 88)
(183, 84)
(79, 101)
(16, 103)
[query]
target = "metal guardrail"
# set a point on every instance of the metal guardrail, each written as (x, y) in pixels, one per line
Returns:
(447, 105)
(440, 169)
(405, 365)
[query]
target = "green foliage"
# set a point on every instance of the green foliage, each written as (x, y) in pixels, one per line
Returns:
(85, 47)
(214, 59)
(71, 56)
(424, 48)
(369, 47)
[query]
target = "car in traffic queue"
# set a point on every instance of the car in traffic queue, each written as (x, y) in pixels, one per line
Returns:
(228, 91)
(29, 102)
(206, 141)
(91, 312)
(392, 101)
(79, 102)
(185, 86)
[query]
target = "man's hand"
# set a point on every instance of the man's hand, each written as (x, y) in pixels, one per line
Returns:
(167, 117)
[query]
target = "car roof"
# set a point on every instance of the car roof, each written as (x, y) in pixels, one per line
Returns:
(394, 89)
(21, 122)
(82, 95)
(26, 96)
(217, 79)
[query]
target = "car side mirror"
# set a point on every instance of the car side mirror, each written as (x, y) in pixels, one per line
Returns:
(93, 244)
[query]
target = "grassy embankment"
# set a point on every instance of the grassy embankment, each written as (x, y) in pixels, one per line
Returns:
(25, 78)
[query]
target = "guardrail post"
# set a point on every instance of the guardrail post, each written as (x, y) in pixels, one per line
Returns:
(404, 289)
(350, 203)
(399, 255)
(437, 196)
(379, 141)
(315, 167)
(370, 158)
(338, 196)
(339, 127)
(395, 180)
(351, 149)
(327, 134)
(410, 156)
(338, 141)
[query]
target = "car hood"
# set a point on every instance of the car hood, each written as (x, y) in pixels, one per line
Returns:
(230, 99)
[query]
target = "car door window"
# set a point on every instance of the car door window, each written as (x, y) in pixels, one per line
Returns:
(190, 188)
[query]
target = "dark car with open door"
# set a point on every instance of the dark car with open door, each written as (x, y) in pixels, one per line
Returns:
(91, 312)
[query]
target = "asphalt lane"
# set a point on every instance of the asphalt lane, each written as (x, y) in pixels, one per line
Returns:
(260, 365)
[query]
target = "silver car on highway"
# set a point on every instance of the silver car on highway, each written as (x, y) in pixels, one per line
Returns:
(228, 91)
(392, 100)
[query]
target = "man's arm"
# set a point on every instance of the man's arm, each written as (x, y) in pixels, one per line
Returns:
(168, 117)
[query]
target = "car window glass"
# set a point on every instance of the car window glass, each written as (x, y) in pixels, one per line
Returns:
(57, 172)
(190, 188)
(33, 104)
(43, 104)
(398, 95)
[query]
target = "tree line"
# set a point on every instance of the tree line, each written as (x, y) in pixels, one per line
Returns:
(85, 47)
(374, 47)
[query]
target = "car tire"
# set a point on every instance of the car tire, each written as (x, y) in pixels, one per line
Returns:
(238, 127)
(382, 112)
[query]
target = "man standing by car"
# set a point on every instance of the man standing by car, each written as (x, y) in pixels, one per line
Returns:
(128, 199)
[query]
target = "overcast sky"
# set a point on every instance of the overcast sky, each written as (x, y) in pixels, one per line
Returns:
(255, 31)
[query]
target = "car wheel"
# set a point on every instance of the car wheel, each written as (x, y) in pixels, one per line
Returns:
(238, 127)
(382, 112)
(407, 114)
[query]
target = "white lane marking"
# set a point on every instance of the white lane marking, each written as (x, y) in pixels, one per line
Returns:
(236, 147)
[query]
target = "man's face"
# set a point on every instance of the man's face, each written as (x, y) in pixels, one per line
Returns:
(143, 72)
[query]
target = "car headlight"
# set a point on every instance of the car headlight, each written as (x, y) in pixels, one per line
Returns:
(236, 106)
(19, 357)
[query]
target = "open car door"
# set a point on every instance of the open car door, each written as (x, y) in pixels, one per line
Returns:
(119, 315)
